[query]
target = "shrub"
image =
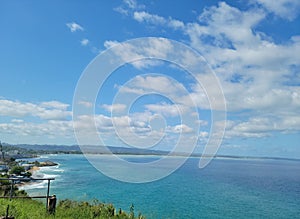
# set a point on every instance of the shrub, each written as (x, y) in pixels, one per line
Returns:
(17, 170)
(28, 208)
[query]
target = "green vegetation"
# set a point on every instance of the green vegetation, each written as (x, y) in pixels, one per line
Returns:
(17, 170)
(5, 188)
(34, 209)
(28, 208)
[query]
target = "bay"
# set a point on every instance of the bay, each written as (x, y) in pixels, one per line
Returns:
(226, 188)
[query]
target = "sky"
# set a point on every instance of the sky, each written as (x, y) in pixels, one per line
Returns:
(251, 46)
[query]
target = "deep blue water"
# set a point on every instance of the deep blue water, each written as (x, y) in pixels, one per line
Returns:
(226, 188)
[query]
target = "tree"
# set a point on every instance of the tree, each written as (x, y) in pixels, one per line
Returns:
(17, 170)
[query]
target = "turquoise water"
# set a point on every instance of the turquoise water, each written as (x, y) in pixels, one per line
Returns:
(226, 188)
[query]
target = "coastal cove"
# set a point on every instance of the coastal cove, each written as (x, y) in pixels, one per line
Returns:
(226, 188)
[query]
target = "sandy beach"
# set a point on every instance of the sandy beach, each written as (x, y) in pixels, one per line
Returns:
(33, 169)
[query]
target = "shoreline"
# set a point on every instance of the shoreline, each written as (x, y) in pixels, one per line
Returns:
(34, 170)
(22, 185)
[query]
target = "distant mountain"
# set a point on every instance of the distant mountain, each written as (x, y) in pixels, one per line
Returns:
(45, 147)
(23, 150)
(88, 149)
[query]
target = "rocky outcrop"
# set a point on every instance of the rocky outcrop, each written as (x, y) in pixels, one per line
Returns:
(47, 163)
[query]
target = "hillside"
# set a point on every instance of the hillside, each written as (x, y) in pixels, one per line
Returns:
(66, 209)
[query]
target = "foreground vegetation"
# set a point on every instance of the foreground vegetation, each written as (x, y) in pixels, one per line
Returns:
(34, 209)
(28, 208)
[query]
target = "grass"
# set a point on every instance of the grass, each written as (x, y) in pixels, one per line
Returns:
(66, 209)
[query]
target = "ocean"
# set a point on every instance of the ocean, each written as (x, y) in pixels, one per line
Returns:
(226, 188)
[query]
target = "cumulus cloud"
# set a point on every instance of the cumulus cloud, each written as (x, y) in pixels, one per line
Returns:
(17, 120)
(151, 18)
(254, 71)
(167, 109)
(86, 104)
(135, 54)
(259, 77)
(287, 9)
(256, 127)
(55, 104)
(129, 129)
(74, 27)
(114, 107)
(154, 83)
(110, 43)
(45, 130)
(261, 64)
(132, 4)
(178, 101)
(181, 128)
(84, 42)
(203, 134)
(142, 16)
(52, 110)
(247, 62)
(128, 6)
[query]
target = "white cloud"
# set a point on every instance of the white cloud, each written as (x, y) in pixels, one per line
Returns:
(202, 122)
(182, 128)
(142, 16)
(258, 126)
(86, 124)
(164, 86)
(237, 51)
(133, 129)
(166, 109)
(254, 71)
(42, 130)
(146, 63)
(128, 6)
(74, 27)
(84, 42)
(53, 114)
(114, 108)
(154, 83)
(288, 9)
(132, 4)
(17, 120)
(55, 104)
(176, 24)
(121, 10)
(86, 104)
(226, 27)
(137, 129)
(110, 43)
(52, 110)
(135, 54)
(16, 109)
(203, 134)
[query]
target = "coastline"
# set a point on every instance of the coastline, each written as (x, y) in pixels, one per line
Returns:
(33, 169)
(35, 173)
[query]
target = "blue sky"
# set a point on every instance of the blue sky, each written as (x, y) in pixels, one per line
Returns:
(252, 46)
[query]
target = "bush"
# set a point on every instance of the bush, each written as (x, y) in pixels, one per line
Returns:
(73, 209)
(28, 208)
(17, 170)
